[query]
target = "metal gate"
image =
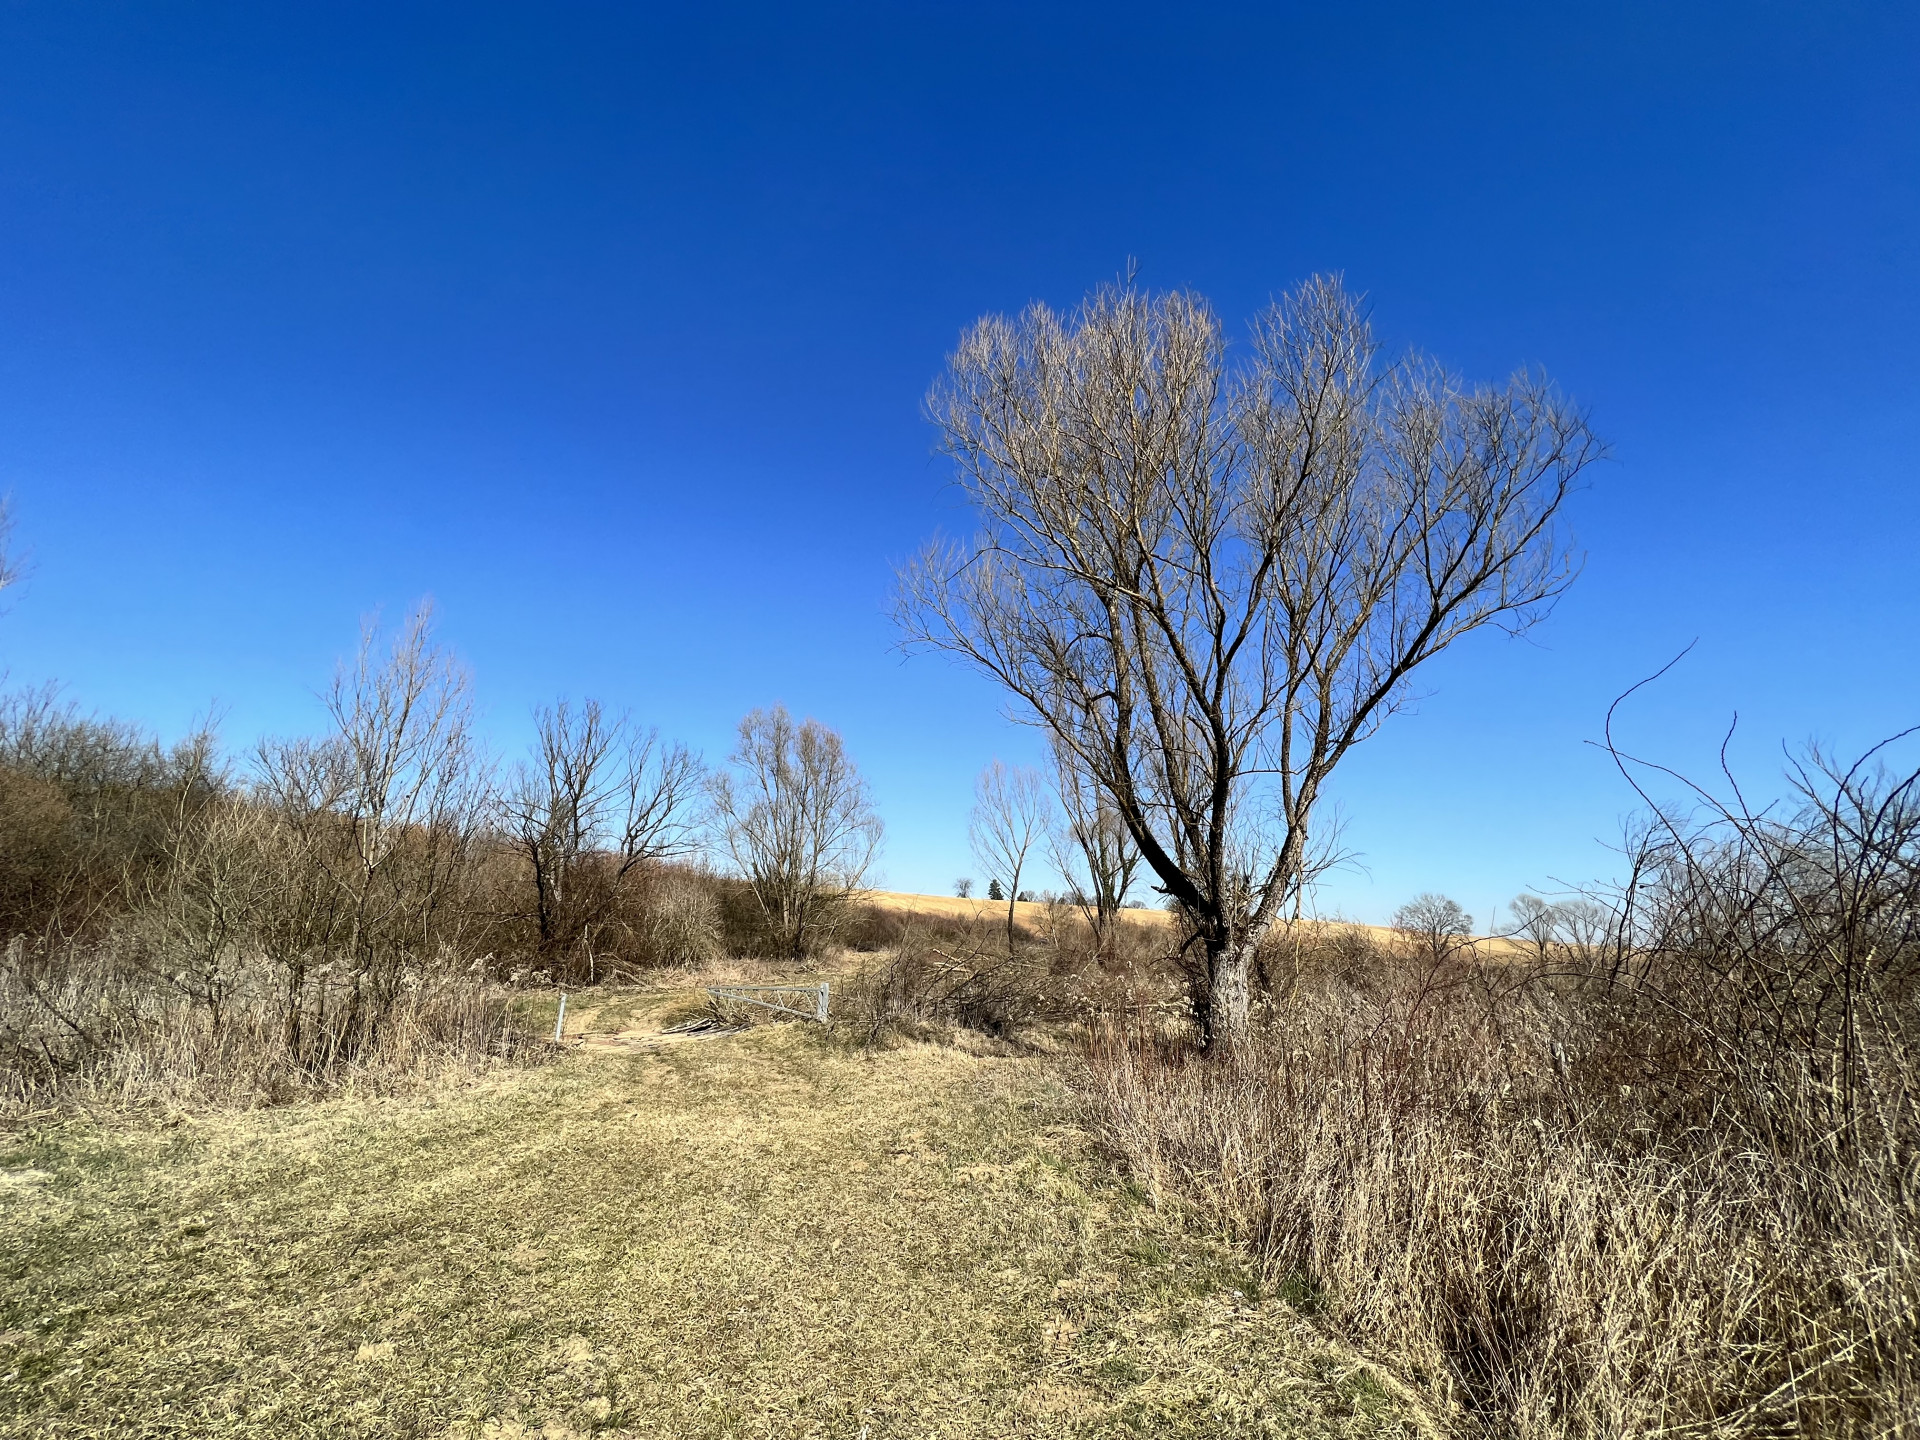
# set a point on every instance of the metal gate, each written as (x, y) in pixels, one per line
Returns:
(804, 1002)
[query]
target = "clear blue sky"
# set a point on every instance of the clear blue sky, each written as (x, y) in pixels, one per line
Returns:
(608, 327)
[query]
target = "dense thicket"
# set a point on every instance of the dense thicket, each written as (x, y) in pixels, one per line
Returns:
(176, 919)
(1654, 1170)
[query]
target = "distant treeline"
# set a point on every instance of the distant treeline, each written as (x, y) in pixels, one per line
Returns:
(310, 891)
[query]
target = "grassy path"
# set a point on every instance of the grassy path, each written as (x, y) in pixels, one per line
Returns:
(760, 1235)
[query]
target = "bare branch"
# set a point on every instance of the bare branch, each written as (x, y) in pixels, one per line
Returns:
(1209, 582)
(1011, 814)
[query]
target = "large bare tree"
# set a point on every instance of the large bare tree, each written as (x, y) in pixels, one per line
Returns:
(1210, 581)
(599, 799)
(1012, 813)
(796, 819)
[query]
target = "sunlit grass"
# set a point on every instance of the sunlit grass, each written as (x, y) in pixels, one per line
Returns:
(763, 1234)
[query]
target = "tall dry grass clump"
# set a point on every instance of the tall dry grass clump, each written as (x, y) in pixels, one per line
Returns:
(929, 974)
(1666, 1183)
(97, 1025)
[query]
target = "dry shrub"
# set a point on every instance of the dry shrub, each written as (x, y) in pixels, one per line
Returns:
(1126, 966)
(1665, 1184)
(87, 810)
(946, 973)
(1562, 1266)
(96, 1025)
(873, 928)
(680, 921)
(743, 924)
(870, 928)
(931, 982)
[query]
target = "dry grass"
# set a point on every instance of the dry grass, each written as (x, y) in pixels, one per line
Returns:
(1423, 1164)
(1662, 1180)
(1039, 917)
(1030, 913)
(769, 1234)
(80, 1026)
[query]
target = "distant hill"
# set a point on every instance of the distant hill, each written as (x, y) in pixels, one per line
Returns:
(1030, 912)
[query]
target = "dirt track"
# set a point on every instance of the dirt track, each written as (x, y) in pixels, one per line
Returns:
(768, 1234)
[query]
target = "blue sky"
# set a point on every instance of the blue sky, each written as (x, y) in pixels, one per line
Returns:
(607, 327)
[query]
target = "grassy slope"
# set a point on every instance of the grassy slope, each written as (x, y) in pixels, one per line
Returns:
(761, 1235)
(1034, 915)
(991, 912)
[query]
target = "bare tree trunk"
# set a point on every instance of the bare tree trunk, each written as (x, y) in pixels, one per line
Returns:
(1227, 991)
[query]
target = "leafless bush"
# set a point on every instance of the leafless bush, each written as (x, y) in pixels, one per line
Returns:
(378, 823)
(337, 908)
(1661, 1180)
(681, 921)
(348, 894)
(927, 983)
(1773, 959)
(88, 812)
(947, 973)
